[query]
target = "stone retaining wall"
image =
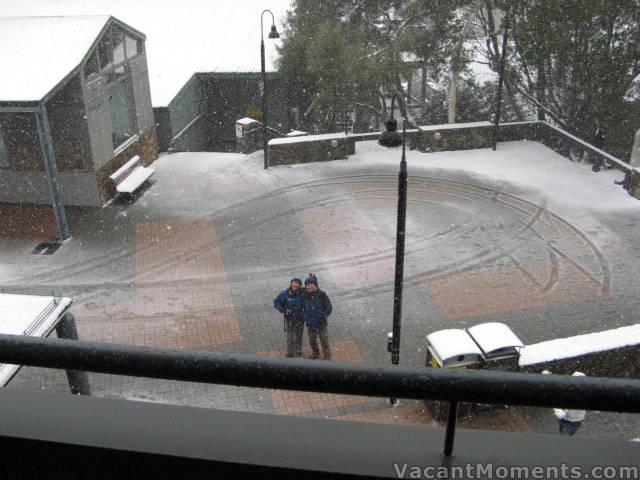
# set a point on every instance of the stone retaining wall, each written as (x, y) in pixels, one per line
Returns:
(307, 149)
(617, 363)
(464, 136)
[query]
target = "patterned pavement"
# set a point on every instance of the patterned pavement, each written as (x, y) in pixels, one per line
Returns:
(202, 276)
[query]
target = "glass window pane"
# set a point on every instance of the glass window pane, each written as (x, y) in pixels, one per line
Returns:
(116, 74)
(91, 66)
(121, 123)
(117, 41)
(4, 159)
(132, 46)
(104, 50)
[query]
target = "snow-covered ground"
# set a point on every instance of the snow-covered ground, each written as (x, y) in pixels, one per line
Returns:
(529, 166)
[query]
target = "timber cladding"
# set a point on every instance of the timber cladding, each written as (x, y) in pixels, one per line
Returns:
(145, 146)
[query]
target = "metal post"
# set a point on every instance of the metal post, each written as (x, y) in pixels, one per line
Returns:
(500, 82)
(264, 101)
(452, 414)
(400, 236)
(78, 380)
(46, 145)
(273, 34)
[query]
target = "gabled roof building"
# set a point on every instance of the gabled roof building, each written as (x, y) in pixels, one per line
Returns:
(75, 106)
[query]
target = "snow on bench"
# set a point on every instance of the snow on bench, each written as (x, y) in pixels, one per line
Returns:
(135, 179)
(130, 176)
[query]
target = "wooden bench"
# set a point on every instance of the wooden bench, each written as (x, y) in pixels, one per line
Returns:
(129, 177)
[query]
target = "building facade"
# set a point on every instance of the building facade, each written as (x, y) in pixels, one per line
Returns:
(88, 108)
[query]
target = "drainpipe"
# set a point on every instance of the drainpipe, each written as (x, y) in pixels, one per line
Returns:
(46, 146)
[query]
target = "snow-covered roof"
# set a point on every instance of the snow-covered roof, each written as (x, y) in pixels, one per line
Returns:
(32, 315)
(182, 38)
(579, 345)
(452, 343)
(493, 336)
(39, 52)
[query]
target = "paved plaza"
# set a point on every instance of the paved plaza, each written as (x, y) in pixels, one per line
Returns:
(196, 260)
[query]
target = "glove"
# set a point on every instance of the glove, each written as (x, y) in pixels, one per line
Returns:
(559, 413)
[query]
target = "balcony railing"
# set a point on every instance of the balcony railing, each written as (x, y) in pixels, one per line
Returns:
(475, 386)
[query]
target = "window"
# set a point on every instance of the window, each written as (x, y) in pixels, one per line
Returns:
(131, 46)
(117, 43)
(122, 124)
(4, 158)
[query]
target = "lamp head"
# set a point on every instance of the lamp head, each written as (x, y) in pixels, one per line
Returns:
(274, 33)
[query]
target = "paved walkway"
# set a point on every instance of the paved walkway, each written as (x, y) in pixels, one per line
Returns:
(196, 261)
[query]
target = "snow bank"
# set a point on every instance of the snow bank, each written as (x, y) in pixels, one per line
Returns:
(307, 138)
(580, 345)
(453, 126)
(547, 177)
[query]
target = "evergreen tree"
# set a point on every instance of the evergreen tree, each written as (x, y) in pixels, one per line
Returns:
(576, 61)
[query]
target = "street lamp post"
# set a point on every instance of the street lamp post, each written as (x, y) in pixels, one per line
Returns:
(390, 137)
(400, 236)
(272, 34)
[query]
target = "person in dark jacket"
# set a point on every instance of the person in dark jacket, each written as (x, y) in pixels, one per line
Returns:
(288, 303)
(316, 308)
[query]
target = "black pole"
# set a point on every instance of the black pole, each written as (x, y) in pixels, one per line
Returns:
(500, 82)
(452, 414)
(46, 146)
(264, 100)
(78, 380)
(400, 235)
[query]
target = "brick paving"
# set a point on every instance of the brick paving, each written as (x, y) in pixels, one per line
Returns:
(27, 221)
(201, 271)
(291, 402)
(493, 290)
(165, 310)
(346, 233)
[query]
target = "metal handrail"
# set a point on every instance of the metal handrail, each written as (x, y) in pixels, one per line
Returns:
(478, 386)
(185, 128)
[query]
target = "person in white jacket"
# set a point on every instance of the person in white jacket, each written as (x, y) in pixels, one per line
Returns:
(569, 420)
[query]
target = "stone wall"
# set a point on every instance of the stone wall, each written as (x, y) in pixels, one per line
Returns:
(617, 363)
(466, 136)
(145, 146)
(307, 149)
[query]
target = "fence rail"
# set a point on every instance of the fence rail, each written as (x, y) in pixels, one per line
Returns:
(481, 386)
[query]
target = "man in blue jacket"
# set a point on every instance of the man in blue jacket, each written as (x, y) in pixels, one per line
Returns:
(316, 308)
(288, 303)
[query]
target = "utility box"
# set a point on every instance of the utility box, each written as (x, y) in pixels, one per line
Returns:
(452, 348)
(499, 345)
(248, 135)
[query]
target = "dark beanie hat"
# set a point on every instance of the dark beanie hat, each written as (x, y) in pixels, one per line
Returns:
(311, 278)
(295, 280)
